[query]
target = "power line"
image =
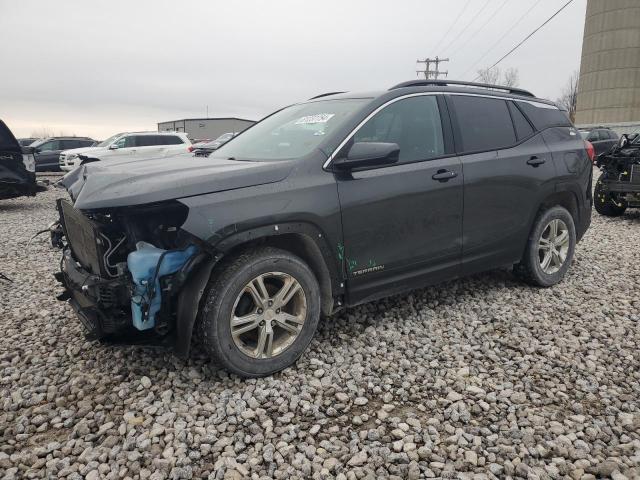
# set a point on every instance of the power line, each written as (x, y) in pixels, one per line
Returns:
(455, 21)
(509, 30)
(473, 35)
(473, 19)
(528, 36)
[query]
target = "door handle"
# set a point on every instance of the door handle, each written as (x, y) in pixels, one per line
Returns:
(535, 161)
(444, 175)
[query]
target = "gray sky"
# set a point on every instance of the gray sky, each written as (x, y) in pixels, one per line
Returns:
(96, 68)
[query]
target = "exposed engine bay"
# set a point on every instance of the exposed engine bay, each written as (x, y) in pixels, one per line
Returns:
(618, 188)
(122, 269)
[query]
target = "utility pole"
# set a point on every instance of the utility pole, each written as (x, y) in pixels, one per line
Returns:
(427, 72)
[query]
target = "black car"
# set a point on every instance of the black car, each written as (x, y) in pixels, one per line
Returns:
(602, 139)
(47, 150)
(618, 186)
(17, 174)
(25, 142)
(329, 203)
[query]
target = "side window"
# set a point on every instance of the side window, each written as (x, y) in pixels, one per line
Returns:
(543, 115)
(50, 146)
(122, 142)
(485, 123)
(413, 123)
(521, 124)
(171, 140)
(148, 140)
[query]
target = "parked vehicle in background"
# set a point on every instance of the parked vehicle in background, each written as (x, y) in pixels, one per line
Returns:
(602, 139)
(205, 149)
(25, 142)
(47, 150)
(324, 204)
(618, 187)
(17, 169)
(137, 145)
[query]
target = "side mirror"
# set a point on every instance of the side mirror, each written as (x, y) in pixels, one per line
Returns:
(37, 150)
(28, 150)
(369, 154)
(113, 147)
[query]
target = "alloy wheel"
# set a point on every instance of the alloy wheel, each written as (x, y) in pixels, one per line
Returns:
(268, 315)
(553, 246)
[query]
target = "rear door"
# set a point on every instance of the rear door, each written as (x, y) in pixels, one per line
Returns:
(47, 155)
(148, 146)
(401, 226)
(172, 144)
(507, 169)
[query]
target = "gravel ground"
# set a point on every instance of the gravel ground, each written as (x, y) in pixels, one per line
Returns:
(479, 378)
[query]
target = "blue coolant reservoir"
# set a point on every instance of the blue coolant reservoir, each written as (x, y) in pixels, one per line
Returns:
(147, 296)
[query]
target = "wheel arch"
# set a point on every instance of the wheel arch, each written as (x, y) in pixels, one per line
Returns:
(564, 198)
(301, 239)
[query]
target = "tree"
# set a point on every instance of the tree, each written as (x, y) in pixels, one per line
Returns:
(568, 99)
(494, 76)
(45, 132)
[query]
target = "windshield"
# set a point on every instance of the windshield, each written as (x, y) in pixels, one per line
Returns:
(109, 140)
(224, 137)
(584, 133)
(292, 132)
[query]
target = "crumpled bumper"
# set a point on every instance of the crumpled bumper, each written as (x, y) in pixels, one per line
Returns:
(102, 305)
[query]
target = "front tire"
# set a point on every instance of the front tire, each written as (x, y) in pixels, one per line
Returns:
(605, 203)
(549, 249)
(261, 312)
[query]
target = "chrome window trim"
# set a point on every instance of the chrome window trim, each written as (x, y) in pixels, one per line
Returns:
(368, 117)
(422, 94)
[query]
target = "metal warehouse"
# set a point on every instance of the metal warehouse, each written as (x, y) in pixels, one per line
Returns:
(206, 128)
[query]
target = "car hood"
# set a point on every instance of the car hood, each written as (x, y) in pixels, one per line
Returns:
(126, 182)
(84, 150)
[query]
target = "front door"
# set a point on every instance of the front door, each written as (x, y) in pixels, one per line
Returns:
(402, 224)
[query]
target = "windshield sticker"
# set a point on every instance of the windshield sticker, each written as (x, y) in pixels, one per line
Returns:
(311, 119)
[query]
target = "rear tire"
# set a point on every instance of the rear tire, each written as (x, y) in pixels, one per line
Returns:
(605, 204)
(260, 313)
(549, 249)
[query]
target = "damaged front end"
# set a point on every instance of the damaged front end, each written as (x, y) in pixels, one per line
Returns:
(123, 271)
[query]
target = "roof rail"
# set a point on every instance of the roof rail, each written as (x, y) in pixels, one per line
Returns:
(325, 95)
(444, 83)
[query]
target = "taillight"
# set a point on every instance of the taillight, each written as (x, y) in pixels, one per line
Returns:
(190, 149)
(591, 152)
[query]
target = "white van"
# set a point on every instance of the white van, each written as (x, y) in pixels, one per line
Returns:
(139, 144)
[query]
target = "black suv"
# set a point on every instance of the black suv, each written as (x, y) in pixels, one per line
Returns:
(328, 203)
(603, 139)
(47, 151)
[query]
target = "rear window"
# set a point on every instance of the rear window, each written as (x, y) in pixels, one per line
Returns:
(544, 116)
(485, 123)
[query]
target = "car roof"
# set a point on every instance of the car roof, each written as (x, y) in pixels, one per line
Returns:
(443, 86)
(43, 140)
(153, 133)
